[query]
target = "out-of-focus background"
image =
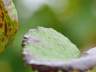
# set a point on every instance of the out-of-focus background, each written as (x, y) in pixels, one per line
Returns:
(76, 19)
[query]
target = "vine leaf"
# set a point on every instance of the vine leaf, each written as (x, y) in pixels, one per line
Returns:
(8, 22)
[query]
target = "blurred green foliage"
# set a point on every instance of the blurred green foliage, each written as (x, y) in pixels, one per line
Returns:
(76, 20)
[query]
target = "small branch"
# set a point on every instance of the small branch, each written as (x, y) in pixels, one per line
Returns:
(83, 63)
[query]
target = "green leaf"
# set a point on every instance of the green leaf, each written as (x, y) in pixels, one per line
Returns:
(48, 44)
